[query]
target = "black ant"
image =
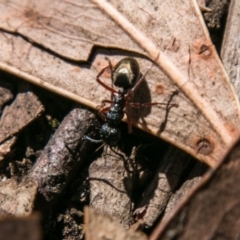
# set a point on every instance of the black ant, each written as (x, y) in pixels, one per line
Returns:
(126, 76)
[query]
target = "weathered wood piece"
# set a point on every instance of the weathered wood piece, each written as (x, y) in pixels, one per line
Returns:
(63, 156)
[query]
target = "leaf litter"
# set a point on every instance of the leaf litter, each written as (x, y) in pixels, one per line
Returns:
(199, 125)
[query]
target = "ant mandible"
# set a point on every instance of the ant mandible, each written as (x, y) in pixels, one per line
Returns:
(126, 76)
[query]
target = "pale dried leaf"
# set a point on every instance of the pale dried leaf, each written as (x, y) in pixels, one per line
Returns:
(100, 227)
(6, 147)
(18, 198)
(171, 33)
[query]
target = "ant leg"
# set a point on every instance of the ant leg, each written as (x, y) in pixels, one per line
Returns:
(140, 105)
(101, 113)
(103, 110)
(168, 104)
(102, 83)
(92, 140)
(129, 122)
(139, 82)
(106, 101)
(125, 161)
(100, 107)
(111, 68)
(136, 86)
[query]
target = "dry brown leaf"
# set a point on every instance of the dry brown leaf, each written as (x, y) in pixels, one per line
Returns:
(210, 211)
(24, 109)
(18, 228)
(43, 42)
(162, 186)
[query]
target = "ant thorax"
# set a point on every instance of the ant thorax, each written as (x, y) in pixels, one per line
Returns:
(116, 113)
(108, 134)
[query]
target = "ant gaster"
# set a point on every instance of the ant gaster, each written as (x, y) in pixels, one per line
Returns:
(125, 76)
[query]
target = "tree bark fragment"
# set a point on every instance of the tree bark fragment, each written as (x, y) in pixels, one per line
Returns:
(63, 156)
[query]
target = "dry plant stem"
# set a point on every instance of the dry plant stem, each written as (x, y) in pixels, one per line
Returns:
(230, 49)
(63, 155)
(160, 189)
(111, 187)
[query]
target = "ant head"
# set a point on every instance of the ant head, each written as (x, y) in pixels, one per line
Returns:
(126, 73)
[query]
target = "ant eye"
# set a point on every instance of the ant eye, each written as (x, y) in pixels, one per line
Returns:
(126, 73)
